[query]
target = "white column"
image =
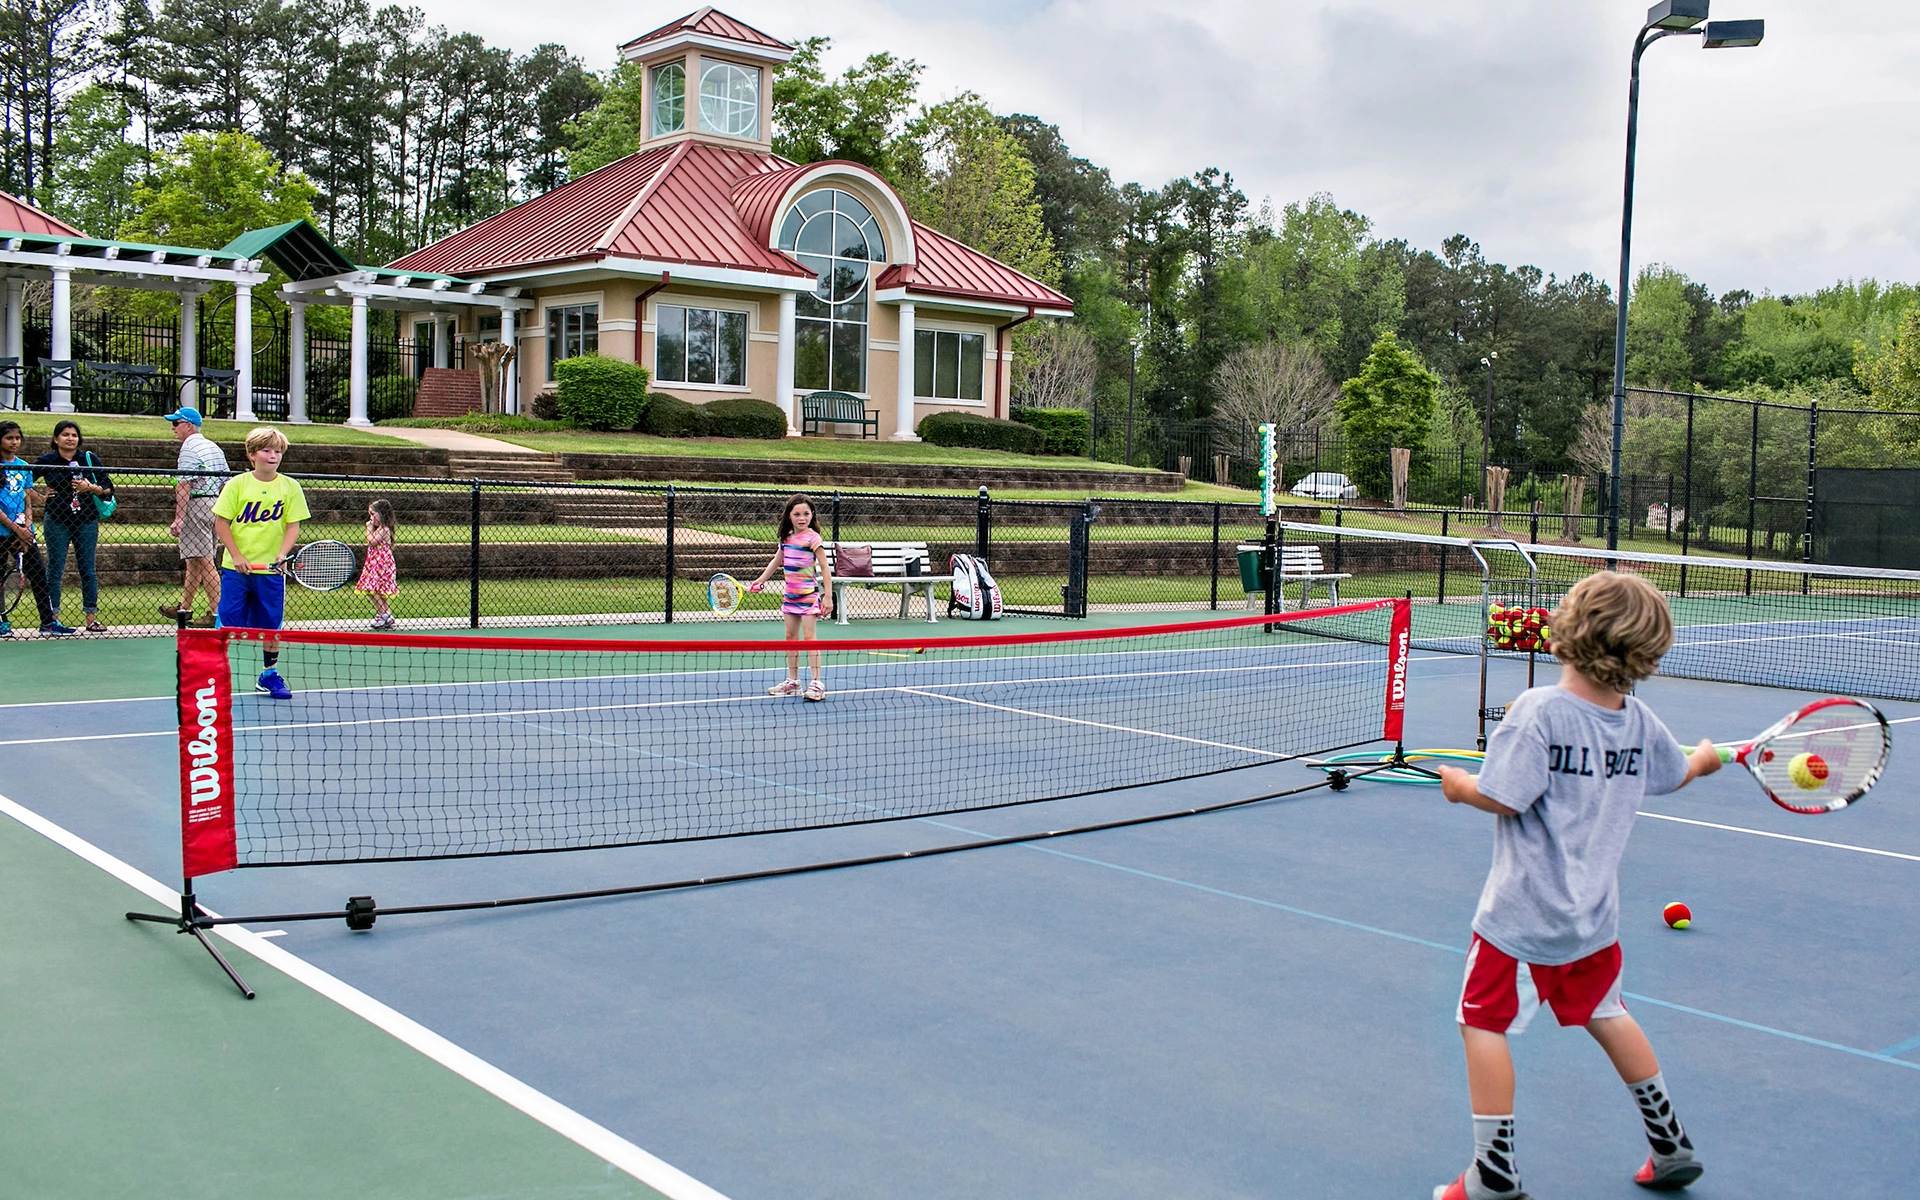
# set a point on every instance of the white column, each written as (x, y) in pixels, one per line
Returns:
(903, 403)
(510, 386)
(297, 362)
(357, 366)
(783, 364)
(243, 352)
(15, 344)
(62, 395)
(189, 345)
(442, 334)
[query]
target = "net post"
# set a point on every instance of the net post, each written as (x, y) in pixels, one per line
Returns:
(983, 525)
(473, 560)
(1213, 601)
(1270, 561)
(670, 562)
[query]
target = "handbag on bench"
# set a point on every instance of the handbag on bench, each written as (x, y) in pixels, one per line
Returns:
(853, 561)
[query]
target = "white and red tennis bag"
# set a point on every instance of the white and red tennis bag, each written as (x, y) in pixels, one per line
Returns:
(976, 596)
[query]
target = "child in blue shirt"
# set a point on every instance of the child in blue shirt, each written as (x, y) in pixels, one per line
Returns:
(16, 528)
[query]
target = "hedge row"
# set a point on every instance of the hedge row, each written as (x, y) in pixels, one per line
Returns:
(983, 433)
(600, 392)
(1069, 431)
(740, 417)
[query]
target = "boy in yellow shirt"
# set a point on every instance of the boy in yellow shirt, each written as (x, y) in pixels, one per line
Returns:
(257, 518)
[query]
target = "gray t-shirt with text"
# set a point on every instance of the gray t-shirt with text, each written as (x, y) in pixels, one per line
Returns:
(1574, 773)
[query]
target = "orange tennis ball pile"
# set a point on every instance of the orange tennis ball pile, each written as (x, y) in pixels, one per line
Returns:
(1677, 915)
(1808, 771)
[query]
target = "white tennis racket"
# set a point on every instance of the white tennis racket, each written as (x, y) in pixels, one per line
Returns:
(1818, 758)
(323, 566)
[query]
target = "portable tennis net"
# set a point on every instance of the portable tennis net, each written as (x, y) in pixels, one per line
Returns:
(414, 746)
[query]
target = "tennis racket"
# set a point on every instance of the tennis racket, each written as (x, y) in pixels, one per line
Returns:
(724, 593)
(1819, 758)
(319, 566)
(12, 583)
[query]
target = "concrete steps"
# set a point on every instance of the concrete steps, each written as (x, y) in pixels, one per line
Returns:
(513, 468)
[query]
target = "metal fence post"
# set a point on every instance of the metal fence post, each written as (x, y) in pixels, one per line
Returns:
(1686, 526)
(670, 562)
(1339, 519)
(1271, 561)
(473, 563)
(1753, 484)
(1441, 592)
(983, 525)
(1213, 599)
(836, 516)
(1806, 533)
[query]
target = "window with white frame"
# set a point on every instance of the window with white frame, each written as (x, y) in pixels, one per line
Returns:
(834, 235)
(572, 330)
(669, 99)
(730, 100)
(948, 365)
(699, 345)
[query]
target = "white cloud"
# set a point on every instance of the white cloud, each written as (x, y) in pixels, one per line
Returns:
(1780, 168)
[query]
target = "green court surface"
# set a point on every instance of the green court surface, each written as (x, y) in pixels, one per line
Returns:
(137, 1072)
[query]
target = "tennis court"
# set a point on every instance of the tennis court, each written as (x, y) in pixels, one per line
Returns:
(1251, 1002)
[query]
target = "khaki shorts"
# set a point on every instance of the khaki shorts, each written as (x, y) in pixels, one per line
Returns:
(196, 528)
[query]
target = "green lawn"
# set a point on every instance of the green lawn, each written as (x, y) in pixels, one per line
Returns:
(810, 449)
(37, 425)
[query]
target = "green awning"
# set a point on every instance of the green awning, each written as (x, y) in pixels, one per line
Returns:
(297, 248)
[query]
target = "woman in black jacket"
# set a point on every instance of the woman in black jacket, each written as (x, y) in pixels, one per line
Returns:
(72, 517)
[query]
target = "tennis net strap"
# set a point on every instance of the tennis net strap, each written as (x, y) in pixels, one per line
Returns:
(401, 746)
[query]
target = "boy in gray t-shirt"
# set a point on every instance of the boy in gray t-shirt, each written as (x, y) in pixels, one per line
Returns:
(1565, 774)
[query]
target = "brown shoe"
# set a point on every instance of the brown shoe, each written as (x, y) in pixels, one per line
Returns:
(172, 612)
(205, 622)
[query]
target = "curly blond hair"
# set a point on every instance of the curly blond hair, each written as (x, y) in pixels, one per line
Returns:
(1612, 628)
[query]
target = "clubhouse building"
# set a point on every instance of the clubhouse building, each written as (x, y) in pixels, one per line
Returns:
(726, 270)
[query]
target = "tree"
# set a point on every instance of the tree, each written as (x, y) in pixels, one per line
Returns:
(47, 49)
(1316, 273)
(1389, 403)
(1213, 223)
(216, 187)
(972, 182)
(208, 77)
(612, 130)
(1078, 203)
(1892, 376)
(1054, 367)
(563, 92)
(1275, 383)
(859, 117)
(96, 167)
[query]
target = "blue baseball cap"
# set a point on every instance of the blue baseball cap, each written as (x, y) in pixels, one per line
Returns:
(190, 415)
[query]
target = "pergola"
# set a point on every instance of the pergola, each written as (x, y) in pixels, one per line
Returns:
(319, 274)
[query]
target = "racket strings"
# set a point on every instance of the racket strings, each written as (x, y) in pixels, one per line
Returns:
(1821, 760)
(323, 565)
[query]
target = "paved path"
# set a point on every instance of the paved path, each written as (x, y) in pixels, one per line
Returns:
(454, 439)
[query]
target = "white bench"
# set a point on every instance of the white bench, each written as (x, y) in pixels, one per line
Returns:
(1304, 565)
(890, 561)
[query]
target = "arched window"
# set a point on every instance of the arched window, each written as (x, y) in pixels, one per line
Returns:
(669, 99)
(730, 100)
(834, 235)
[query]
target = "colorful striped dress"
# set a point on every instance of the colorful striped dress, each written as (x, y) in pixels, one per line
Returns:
(800, 567)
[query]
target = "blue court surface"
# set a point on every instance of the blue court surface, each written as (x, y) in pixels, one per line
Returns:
(1254, 1003)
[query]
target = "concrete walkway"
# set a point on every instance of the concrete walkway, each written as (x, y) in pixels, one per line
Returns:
(454, 440)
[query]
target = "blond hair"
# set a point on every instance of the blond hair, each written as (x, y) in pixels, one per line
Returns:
(1612, 628)
(266, 438)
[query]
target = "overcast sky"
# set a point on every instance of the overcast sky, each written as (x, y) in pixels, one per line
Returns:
(1780, 168)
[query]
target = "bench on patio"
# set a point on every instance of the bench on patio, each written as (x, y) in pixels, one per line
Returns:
(1301, 564)
(890, 561)
(837, 408)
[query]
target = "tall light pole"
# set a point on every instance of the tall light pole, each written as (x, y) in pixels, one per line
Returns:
(1486, 427)
(1665, 19)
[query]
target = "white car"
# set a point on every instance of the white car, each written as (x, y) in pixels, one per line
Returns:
(1326, 485)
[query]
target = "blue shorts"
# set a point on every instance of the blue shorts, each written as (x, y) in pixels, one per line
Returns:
(256, 600)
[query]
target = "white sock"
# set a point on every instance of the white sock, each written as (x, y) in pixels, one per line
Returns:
(1494, 1173)
(1664, 1132)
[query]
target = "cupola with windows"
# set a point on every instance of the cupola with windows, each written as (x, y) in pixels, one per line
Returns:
(708, 77)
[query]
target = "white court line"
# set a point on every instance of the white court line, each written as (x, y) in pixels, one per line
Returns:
(59, 703)
(90, 737)
(596, 1139)
(1027, 712)
(1783, 837)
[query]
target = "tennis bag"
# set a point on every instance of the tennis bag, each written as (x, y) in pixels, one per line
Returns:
(976, 596)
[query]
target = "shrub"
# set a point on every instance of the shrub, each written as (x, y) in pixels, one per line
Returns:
(744, 417)
(389, 398)
(600, 392)
(1068, 430)
(670, 416)
(546, 407)
(985, 433)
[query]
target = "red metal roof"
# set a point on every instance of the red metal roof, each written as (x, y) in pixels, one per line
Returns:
(702, 205)
(713, 24)
(946, 267)
(18, 216)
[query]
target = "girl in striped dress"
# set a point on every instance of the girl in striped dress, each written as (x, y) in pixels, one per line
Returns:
(802, 560)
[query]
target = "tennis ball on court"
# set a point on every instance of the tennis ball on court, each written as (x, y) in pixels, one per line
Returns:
(1677, 915)
(1808, 771)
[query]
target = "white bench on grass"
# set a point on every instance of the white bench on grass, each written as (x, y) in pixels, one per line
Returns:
(890, 561)
(1303, 564)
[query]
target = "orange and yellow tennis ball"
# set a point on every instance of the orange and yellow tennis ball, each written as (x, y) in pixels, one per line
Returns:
(1677, 915)
(1808, 771)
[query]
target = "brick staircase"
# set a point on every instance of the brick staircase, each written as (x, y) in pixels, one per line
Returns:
(512, 468)
(447, 393)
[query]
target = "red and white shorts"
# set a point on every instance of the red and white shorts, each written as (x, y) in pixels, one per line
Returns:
(1501, 993)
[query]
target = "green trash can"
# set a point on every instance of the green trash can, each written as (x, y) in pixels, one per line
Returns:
(1249, 555)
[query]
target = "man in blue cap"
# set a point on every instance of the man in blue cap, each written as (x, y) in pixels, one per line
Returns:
(193, 497)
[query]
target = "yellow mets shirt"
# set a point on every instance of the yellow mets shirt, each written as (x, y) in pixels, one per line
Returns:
(260, 512)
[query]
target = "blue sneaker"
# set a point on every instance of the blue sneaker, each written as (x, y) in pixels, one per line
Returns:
(271, 684)
(6, 628)
(58, 630)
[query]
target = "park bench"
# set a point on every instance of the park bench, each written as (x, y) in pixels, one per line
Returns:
(1301, 564)
(837, 408)
(890, 561)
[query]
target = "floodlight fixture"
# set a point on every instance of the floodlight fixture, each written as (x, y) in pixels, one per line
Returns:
(1727, 35)
(1677, 14)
